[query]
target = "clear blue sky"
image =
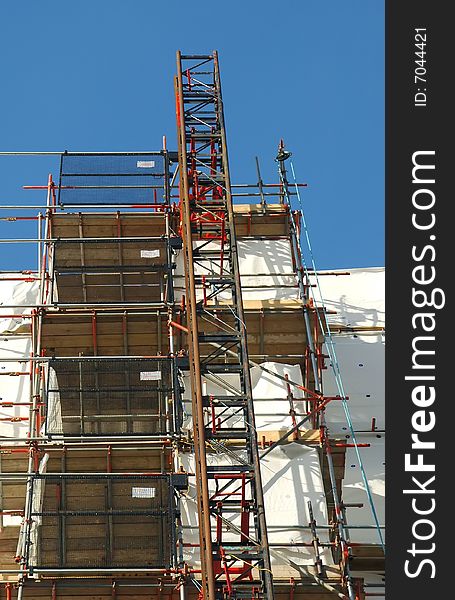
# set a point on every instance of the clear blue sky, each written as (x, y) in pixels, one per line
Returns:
(98, 75)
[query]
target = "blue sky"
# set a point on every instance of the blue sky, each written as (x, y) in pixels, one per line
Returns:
(98, 75)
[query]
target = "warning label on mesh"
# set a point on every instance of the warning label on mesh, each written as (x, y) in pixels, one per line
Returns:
(150, 375)
(145, 164)
(143, 492)
(150, 253)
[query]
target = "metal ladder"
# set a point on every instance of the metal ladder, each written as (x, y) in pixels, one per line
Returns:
(235, 559)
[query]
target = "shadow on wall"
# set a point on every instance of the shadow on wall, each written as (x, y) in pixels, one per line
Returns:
(354, 316)
(299, 474)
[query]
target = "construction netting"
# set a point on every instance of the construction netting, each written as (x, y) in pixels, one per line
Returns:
(106, 521)
(111, 397)
(112, 179)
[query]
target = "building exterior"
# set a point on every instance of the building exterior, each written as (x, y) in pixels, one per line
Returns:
(172, 422)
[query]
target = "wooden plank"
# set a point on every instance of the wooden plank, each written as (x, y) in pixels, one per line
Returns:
(130, 464)
(14, 503)
(146, 217)
(143, 220)
(111, 292)
(272, 304)
(13, 490)
(7, 558)
(9, 533)
(98, 256)
(72, 326)
(9, 545)
(144, 339)
(117, 453)
(110, 231)
(14, 464)
(142, 351)
(144, 278)
(35, 591)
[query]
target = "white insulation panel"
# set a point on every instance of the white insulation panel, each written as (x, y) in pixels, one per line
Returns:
(291, 477)
(15, 343)
(14, 387)
(361, 361)
(373, 460)
(16, 293)
(358, 298)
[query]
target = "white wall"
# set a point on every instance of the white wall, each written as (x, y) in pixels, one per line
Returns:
(358, 299)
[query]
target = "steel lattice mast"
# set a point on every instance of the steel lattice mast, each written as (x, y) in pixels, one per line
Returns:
(230, 494)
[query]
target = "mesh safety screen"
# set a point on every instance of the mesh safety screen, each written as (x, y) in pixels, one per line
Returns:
(110, 397)
(109, 522)
(112, 179)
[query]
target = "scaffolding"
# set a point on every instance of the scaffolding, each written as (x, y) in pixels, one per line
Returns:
(143, 336)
